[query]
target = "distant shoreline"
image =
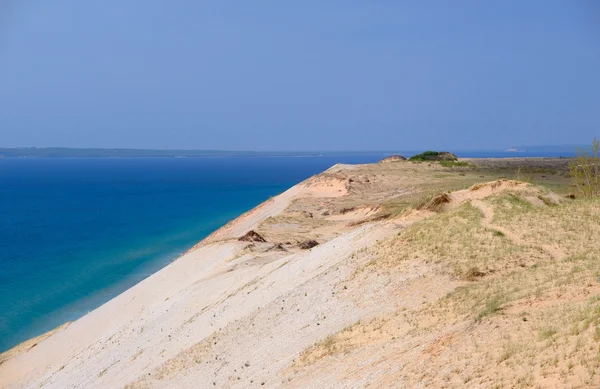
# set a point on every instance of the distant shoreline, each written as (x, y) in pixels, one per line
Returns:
(62, 152)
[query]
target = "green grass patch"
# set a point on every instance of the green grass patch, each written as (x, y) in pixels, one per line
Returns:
(432, 156)
(425, 156)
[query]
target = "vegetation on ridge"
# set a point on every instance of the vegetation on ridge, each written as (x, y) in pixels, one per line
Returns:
(455, 164)
(433, 156)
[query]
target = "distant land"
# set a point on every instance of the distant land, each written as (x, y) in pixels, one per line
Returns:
(65, 152)
(547, 148)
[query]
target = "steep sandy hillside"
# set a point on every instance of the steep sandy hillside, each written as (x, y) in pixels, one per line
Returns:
(421, 278)
(523, 309)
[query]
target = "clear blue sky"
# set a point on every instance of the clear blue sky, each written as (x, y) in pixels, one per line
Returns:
(304, 75)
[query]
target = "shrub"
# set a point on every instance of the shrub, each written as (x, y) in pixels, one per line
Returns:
(585, 171)
(425, 156)
(433, 156)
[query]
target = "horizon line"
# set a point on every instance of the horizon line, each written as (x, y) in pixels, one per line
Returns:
(501, 149)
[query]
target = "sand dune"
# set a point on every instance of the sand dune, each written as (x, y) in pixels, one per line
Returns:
(382, 301)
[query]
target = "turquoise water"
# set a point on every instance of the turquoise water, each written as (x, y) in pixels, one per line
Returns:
(76, 232)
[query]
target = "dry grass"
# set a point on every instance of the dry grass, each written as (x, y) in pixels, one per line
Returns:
(435, 203)
(459, 240)
(546, 304)
(527, 313)
(342, 342)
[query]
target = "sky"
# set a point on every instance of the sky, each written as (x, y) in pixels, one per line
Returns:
(305, 75)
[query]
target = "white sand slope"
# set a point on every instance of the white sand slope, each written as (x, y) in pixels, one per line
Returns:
(257, 311)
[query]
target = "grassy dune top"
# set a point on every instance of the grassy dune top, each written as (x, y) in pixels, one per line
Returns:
(526, 308)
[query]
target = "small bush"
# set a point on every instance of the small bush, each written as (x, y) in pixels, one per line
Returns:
(425, 156)
(433, 156)
(585, 171)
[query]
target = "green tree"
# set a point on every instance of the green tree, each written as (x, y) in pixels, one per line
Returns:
(585, 171)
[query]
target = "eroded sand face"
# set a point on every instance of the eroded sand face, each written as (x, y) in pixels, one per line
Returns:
(238, 314)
